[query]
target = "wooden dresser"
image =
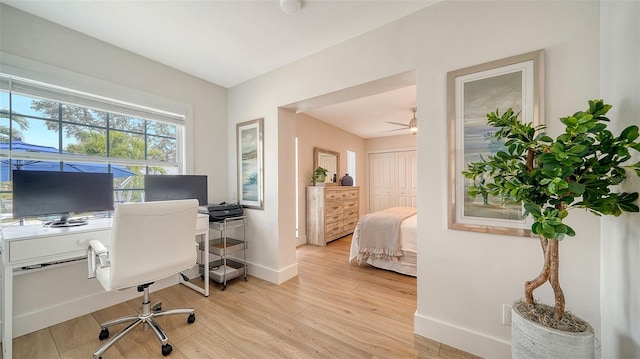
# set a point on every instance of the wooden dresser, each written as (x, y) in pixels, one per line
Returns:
(332, 212)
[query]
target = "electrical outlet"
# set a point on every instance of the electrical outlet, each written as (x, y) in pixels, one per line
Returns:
(506, 314)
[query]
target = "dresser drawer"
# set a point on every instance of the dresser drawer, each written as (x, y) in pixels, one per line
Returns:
(350, 213)
(333, 210)
(351, 195)
(349, 205)
(349, 224)
(333, 195)
(332, 229)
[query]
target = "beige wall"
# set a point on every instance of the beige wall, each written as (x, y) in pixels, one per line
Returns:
(312, 133)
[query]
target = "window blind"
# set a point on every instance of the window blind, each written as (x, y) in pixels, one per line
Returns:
(50, 92)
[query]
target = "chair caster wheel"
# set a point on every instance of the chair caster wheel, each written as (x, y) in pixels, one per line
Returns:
(166, 349)
(104, 334)
(157, 307)
(223, 287)
(192, 318)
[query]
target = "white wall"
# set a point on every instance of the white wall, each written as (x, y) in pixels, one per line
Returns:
(464, 277)
(620, 258)
(35, 48)
(391, 143)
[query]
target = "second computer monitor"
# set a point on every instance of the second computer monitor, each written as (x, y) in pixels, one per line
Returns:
(172, 187)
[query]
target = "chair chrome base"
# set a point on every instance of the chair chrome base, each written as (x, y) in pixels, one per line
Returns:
(146, 317)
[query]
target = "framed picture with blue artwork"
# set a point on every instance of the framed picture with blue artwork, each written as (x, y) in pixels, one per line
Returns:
(516, 82)
(250, 164)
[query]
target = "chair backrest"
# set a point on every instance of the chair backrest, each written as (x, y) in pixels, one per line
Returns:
(151, 241)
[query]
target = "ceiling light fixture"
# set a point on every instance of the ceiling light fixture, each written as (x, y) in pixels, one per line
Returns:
(290, 6)
(413, 124)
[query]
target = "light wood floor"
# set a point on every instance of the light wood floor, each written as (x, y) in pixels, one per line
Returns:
(333, 309)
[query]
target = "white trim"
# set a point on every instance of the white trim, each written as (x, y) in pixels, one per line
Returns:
(391, 150)
(458, 337)
(271, 275)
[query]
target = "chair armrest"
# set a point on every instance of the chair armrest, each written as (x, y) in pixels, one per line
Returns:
(96, 248)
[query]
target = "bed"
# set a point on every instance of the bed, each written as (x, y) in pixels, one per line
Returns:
(387, 240)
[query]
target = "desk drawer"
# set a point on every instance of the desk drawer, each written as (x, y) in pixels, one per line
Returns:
(51, 248)
(202, 224)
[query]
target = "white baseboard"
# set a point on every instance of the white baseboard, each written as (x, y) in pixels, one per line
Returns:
(47, 313)
(273, 276)
(44, 317)
(461, 338)
(302, 239)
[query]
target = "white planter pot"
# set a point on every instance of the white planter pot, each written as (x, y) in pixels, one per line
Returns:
(531, 340)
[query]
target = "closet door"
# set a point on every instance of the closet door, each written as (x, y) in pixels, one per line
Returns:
(382, 181)
(393, 180)
(407, 185)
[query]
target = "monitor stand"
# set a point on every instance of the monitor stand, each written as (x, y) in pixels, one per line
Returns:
(65, 221)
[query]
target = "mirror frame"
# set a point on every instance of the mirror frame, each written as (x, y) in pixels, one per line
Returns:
(316, 153)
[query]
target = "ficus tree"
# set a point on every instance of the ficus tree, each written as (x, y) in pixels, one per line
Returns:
(550, 177)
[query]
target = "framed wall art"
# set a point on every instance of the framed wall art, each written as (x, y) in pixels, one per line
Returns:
(516, 82)
(250, 163)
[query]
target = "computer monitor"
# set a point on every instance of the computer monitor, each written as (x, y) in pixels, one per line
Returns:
(47, 193)
(172, 187)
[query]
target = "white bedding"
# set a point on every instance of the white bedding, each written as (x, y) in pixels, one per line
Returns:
(407, 263)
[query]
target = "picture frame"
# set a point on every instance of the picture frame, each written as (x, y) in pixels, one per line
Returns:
(250, 153)
(516, 82)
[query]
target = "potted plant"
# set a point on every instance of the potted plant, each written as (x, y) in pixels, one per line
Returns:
(550, 177)
(320, 175)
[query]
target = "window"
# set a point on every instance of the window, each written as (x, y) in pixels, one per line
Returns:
(44, 127)
(351, 165)
(295, 180)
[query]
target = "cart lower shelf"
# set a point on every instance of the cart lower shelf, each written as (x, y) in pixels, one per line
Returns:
(221, 273)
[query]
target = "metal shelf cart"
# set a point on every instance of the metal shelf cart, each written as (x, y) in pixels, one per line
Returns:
(227, 254)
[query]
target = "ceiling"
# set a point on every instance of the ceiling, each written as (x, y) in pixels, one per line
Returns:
(367, 116)
(230, 42)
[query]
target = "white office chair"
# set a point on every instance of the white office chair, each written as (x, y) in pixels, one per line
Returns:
(149, 241)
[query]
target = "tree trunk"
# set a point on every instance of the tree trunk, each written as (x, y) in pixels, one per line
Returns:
(551, 263)
(544, 275)
(555, 280)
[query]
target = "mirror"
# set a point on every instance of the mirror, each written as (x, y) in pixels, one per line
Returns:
(330, 160)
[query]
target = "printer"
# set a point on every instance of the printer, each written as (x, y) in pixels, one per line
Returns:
(218, 212)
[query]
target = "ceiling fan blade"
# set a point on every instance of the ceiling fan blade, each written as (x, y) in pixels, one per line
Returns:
(397, 123)
(397, 129)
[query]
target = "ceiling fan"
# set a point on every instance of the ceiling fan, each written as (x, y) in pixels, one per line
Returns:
(412, 125)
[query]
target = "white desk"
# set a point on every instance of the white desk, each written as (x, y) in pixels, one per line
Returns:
(33, 245)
